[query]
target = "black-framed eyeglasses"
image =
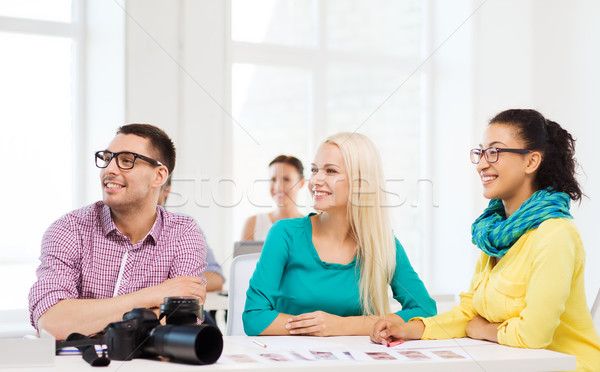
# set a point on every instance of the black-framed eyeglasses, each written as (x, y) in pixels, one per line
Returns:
(125, 159)
(492, 153)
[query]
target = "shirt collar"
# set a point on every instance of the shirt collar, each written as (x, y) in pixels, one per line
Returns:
(108, 225)
(157, 228)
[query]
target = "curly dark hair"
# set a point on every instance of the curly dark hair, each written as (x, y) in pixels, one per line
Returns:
(159, 140)
(555, 143)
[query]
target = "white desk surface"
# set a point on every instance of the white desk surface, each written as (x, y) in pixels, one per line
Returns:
(483, 358)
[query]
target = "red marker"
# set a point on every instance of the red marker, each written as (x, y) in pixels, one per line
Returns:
(395, 343)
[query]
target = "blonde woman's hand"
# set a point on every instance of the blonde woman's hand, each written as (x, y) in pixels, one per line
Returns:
(317, 323)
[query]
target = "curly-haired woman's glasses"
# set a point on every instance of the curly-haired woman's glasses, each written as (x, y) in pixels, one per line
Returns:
(492, 153)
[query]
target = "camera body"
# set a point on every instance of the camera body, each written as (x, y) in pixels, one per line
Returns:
(124, 338)
(140, 334)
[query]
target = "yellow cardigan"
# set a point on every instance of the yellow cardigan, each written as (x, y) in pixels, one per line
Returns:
(536, 291)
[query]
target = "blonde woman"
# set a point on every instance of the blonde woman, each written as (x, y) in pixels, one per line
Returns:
(328, 273)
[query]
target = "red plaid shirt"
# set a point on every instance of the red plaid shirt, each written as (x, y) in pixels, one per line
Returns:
(84, 255)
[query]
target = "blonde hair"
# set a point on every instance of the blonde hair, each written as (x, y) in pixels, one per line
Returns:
(369, 220)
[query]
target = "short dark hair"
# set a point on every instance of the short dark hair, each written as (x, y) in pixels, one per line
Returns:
(555, 143)
(160, 141)
(291, 160)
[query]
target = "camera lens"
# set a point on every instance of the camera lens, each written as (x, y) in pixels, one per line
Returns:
(181, 310)
(199, 344)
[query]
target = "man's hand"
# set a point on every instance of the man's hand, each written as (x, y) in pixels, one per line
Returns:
(317, 323)
(481, 329)
(179, 286)
(385, 331)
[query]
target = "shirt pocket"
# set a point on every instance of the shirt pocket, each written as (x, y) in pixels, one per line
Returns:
(476, 281)
(475, 296)
(511, 295)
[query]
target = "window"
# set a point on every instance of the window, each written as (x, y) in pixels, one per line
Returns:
(44, 10)
(302, 70)
(38, 40)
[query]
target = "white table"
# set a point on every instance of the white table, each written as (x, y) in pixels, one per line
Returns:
(483, 358)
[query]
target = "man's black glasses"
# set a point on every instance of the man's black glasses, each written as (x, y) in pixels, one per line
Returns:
(125, 159)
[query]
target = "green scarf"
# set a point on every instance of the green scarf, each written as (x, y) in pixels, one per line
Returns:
(494, 234)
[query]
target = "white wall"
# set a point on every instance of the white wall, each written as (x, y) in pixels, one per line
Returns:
(506, 54)
(453, 92)
(520, 54)
(566, 85)
(104, 92)
(176, 79)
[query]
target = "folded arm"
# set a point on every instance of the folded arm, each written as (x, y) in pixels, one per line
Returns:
(89, 316)
(56, 302)
(320, 323)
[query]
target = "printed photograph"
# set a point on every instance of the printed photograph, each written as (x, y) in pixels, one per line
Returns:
(240, 358)
(299, 356)
(380, 355)
(413, 354)
(447, 354)
(323, 355)
(275, 357)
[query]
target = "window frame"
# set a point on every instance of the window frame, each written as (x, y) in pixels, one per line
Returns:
(315, 60)
(75, 30)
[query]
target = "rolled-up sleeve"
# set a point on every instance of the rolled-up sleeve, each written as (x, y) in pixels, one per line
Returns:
(190, 259)
(59, 272)
(453, 323)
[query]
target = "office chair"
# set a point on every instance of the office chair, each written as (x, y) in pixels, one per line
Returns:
(241, 270)
(247, 247)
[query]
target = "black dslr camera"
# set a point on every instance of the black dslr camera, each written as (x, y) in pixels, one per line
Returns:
(140, 334)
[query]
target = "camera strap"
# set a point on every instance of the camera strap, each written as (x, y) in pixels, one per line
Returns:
(87, 346)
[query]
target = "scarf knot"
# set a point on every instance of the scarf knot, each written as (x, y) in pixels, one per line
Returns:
(494, 234)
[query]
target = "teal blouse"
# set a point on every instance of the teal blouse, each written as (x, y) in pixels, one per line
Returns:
(291, 278)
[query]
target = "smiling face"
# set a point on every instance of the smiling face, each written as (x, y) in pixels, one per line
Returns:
(329, 184)
(285, 183)
(136, 188)
(511, 177)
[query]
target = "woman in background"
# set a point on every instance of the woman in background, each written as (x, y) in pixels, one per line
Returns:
(528, 287)
(287, 178)
(328, 273)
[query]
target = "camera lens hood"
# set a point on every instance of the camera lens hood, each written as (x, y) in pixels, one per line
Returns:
(181, 310)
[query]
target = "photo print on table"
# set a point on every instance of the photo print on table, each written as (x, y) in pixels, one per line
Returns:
(323, 355)
(413, 354)
(380, 355)
(275, 357)
(447, 354)
(240, 358)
